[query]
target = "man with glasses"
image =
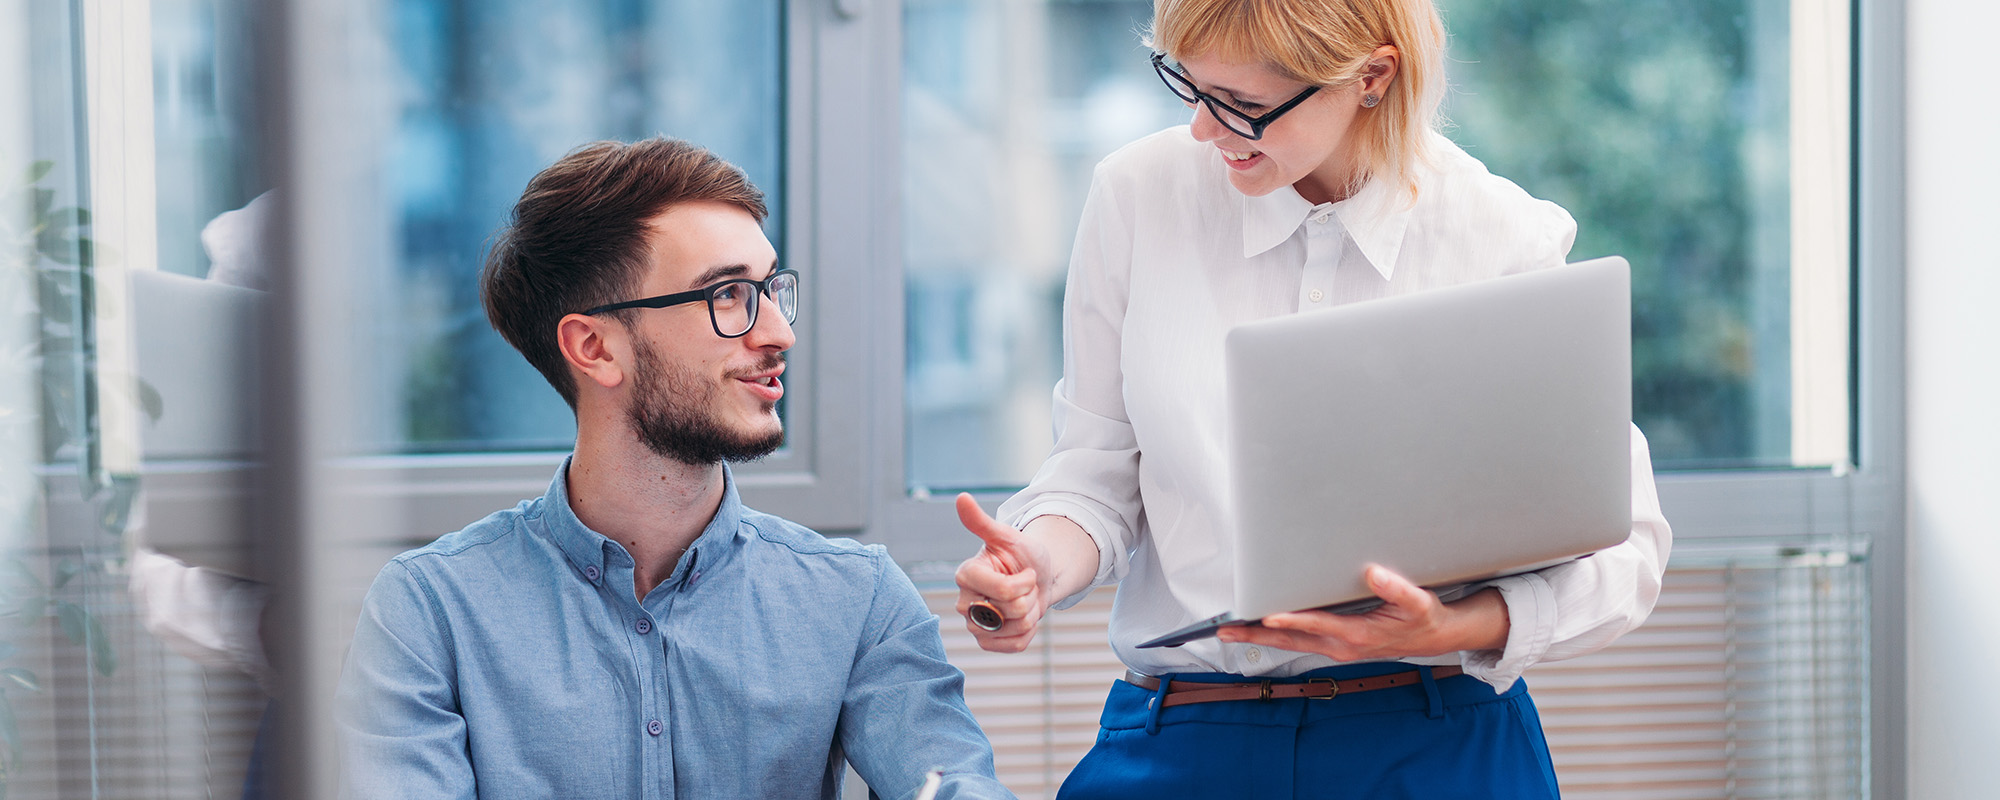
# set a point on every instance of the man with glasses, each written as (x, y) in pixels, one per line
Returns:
(636, 631)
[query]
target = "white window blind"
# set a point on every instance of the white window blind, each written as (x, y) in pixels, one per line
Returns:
(1748, 681)
(159, 726)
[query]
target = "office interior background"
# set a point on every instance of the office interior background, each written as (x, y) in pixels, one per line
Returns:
(239, 329)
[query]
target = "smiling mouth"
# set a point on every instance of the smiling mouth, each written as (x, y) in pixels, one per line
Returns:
(1235, 156)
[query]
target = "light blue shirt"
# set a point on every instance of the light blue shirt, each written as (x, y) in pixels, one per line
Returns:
(510, 659)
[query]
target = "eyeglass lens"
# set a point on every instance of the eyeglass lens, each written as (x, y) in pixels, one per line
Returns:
(734, 304)
(1185, 90)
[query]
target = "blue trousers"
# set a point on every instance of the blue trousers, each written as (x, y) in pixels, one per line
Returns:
(1453, 738)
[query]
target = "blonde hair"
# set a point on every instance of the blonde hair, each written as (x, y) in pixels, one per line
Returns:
(1328, 43)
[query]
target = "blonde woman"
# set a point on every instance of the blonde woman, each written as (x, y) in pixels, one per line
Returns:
(1310, 175)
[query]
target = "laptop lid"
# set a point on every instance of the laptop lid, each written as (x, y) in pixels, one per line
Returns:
(1451, 435)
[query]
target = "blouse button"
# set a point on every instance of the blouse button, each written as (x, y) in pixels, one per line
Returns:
(1255, 655)
(1315, 295)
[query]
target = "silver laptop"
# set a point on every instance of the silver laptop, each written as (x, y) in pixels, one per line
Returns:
(1452, 435)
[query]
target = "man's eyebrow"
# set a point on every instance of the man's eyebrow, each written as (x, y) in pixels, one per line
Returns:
(718, 273)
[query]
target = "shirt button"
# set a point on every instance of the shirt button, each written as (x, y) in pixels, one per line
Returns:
(1255, 655)
(1315, 295)
(591, 572)
(1321, 217)
(645, 625)
(654, 727)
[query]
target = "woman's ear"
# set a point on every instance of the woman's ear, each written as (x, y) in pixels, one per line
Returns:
(1381, 70)
(593, 348)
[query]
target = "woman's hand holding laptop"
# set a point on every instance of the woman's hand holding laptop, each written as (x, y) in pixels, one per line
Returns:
(1411, 622)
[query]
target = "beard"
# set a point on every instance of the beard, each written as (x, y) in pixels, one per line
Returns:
(672, 414)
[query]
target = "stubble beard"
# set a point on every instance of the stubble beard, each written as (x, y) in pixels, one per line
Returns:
(672, 413)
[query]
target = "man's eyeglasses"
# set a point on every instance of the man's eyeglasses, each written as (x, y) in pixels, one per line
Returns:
(1237, 122)
(732, 304)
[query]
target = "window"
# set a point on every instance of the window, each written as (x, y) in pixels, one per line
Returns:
(1707, 142)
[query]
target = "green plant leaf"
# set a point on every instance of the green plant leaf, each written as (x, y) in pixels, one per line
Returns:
(59, 246)
(70, 217)
(150, 399)
(66, 569)
(23, 678)
(101, 651)
(117, 514)
(39, 170)
(74, 620)
(18, 573)
(11, 731)
(55, 299)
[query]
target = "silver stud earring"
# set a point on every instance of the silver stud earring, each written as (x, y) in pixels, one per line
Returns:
(1369, 100)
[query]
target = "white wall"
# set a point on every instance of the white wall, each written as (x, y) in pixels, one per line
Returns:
(1953, 317)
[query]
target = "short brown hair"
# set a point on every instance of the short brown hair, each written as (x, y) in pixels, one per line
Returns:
(577, 238)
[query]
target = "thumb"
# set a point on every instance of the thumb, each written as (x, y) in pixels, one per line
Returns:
(1391, 587)
(1001, 540)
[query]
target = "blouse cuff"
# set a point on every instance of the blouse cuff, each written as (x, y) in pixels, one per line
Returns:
(1091, 524)
(1531, 617)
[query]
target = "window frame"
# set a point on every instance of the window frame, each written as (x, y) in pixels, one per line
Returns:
(846, 475)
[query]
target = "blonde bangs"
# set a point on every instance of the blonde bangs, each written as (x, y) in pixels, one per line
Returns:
(1328, 43)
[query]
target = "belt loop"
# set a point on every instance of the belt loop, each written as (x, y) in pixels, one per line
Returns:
(1431, 691)
(1158, 705)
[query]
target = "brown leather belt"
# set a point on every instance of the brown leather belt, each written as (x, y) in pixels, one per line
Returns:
(1184, 692)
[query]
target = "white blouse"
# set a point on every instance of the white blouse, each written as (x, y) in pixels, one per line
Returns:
(1168, 258)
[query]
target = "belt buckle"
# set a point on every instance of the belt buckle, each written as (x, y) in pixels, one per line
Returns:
(1264, 691)
(1332, 688)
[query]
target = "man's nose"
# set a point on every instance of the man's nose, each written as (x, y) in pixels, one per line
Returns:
(770, 330)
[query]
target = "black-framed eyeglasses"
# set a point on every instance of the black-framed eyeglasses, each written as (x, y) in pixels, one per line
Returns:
(732, 304)
(1237, 122)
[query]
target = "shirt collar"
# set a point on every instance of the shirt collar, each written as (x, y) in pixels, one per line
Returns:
(588, 549)
(1375, 218)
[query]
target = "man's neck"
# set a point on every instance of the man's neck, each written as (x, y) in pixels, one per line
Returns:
(656, 507)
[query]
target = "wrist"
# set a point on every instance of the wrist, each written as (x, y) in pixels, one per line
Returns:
(1478, 621)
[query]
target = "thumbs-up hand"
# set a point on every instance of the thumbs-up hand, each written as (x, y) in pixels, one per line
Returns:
(1008, 572)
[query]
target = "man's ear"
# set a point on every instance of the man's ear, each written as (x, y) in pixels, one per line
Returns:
(595, 347)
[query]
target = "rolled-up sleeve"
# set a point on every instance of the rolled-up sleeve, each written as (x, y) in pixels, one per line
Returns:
(1579, 607)
(1092, 474)
(904, 713)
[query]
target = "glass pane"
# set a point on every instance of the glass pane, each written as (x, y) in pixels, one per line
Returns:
(1006, 107)
(487, 94)
(125, 671)
(1666, 130)
(1704, 140)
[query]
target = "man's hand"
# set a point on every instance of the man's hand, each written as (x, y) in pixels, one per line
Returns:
(1411, 622)
(1010, 571)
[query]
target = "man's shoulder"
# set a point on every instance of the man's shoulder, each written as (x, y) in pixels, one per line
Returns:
(771, 529)
(499, 528)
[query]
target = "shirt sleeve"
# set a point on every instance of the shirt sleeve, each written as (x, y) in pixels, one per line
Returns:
(1576, 608)
(904, 713)
(1092, 474)
(401, 731)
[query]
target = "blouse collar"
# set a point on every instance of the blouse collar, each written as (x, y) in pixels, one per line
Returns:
(1374, 217)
